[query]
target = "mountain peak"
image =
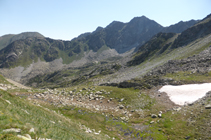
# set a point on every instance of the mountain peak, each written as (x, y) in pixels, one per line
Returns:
(99, 28)
(114, 23)
(7, 39)
(139, 18)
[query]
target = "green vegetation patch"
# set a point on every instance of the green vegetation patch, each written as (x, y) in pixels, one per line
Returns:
(190, 77)
(3, 80)
(118, 93)
(18, 113)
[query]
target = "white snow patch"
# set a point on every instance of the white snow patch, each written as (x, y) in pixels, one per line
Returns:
(186, 93)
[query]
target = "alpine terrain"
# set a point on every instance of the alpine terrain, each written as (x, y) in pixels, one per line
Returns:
(106, 84)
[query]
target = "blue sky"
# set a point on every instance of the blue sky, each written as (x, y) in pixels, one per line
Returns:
(66, 19)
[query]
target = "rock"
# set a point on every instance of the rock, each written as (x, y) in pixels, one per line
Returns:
(121, 100)
(151, 122)
(154, 116)
(159, 115)
(122, 118)
(121, 107)
(187, 137)
(132, 110)
(208, 106)
(17, 130)
(97, 133)
(190, 104)
(177, 108)
(32, 130)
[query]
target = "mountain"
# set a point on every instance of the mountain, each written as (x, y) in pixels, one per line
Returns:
(7, 39)
(166, 42)
(199, 30)
(180, 26)
(30, 54)
(123, 37)
(119, 36)
(155, 52)
(89, 92)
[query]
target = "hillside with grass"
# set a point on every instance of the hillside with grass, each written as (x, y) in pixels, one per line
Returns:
(92, 88)
(8, 39)
(101, 112)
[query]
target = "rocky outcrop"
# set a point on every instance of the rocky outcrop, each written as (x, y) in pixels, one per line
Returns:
(197, 63)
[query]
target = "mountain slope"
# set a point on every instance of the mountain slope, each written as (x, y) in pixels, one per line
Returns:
(36, 118)
(199, 30)
(7, 39)
(168, 41)
(156, 45)
(26, 58)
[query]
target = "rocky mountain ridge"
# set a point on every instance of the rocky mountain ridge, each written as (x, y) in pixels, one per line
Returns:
(110, 43)
(8, 39)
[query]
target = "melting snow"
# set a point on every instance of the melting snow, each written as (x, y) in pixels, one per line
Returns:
(186, 93)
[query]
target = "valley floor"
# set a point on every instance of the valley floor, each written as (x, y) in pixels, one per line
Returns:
(100, 112)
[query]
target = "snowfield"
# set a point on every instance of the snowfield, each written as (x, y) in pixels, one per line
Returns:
(186, 93)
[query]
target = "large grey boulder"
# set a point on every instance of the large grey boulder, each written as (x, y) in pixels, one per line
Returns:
(208, 106)
(154, 116)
